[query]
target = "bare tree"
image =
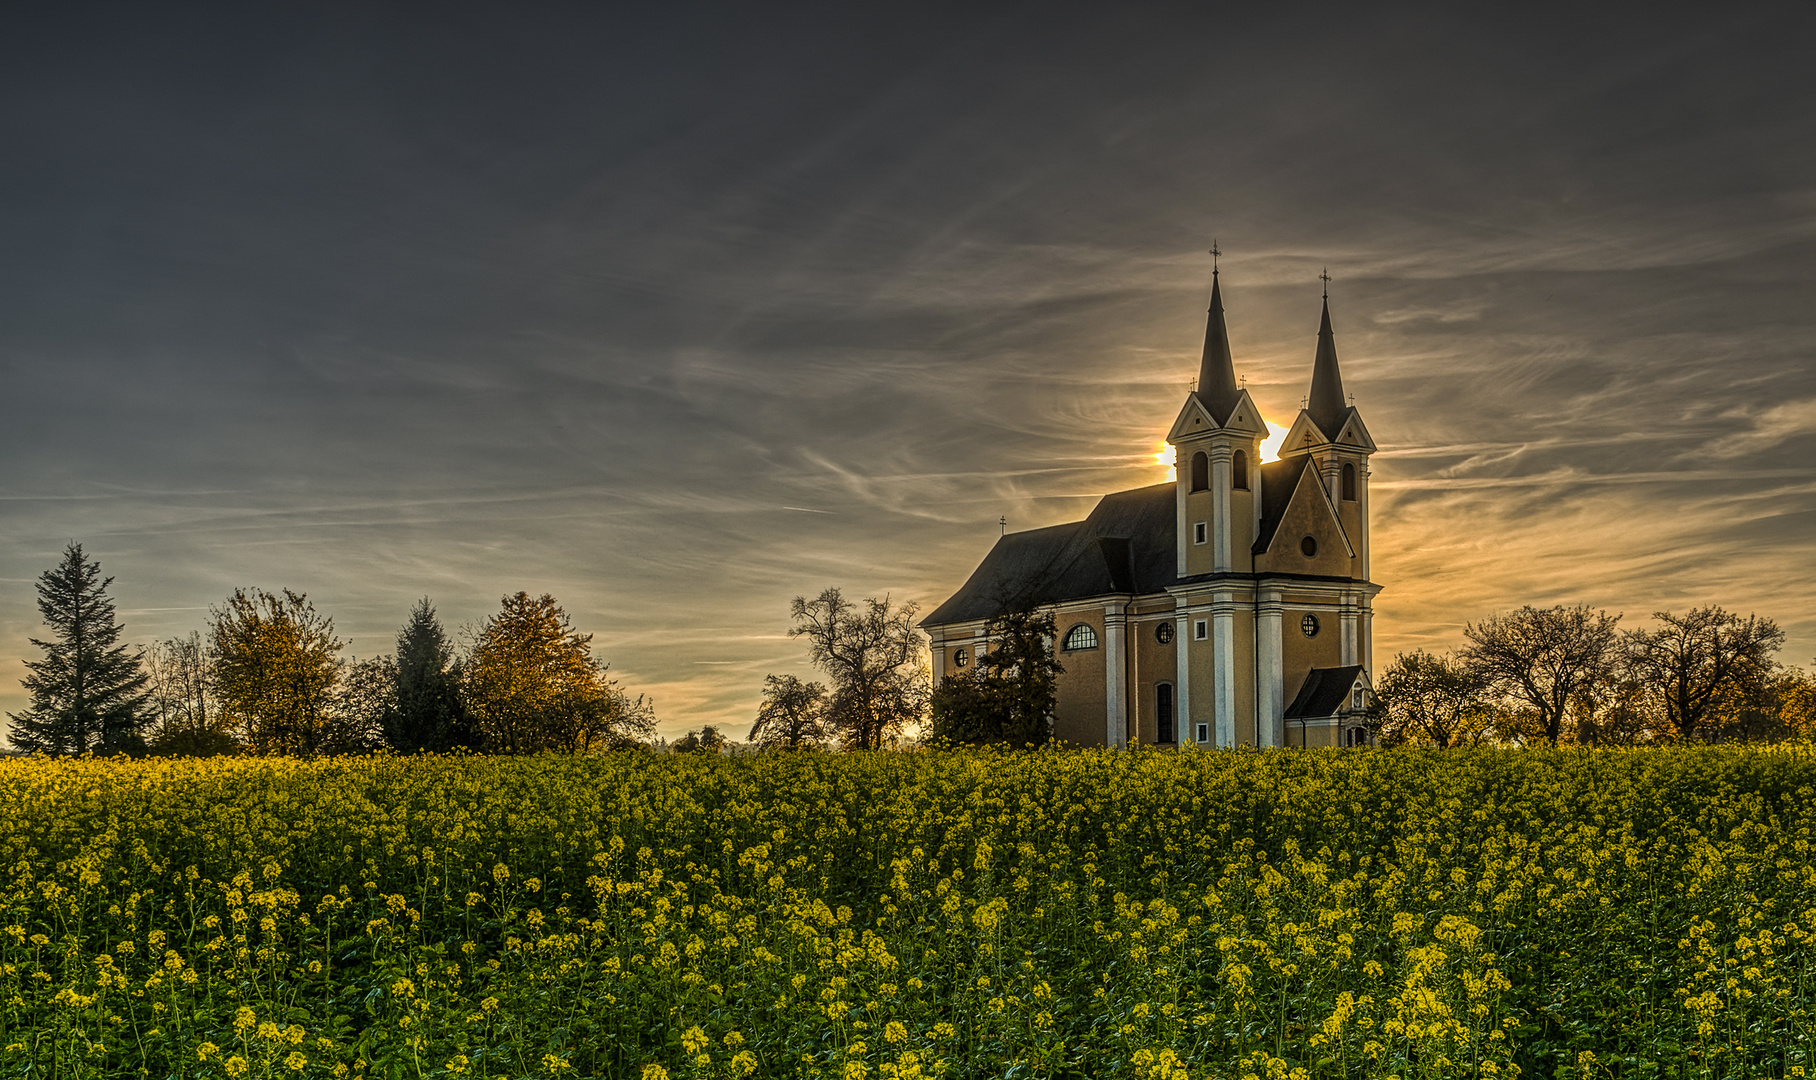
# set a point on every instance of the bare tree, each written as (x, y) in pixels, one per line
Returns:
(1544, 658)
(792, 715)
(1434, 699)
(188, 720)
(1620, 713)
(1704, 664)
(876, 659)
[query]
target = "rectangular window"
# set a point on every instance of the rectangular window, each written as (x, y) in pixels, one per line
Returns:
(1204, 733)
(1201, 629)
(1199, 530)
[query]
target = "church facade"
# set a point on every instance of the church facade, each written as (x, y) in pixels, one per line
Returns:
(1230, 607)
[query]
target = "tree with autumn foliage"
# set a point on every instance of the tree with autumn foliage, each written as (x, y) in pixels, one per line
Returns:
(531, 683)
(277, 675)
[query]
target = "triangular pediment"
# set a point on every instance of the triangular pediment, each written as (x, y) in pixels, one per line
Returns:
(1195, 421)
(1245, 418)
(1309, 512)
(1302, 436)
(1355, 433)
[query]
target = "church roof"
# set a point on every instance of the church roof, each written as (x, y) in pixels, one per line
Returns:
(1217, 387)
(1126, 545)
(1279, 479)
(1326, 404)
(1323, 693)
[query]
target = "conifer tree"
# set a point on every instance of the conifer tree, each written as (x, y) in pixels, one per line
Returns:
(88, 693)
(428, 714)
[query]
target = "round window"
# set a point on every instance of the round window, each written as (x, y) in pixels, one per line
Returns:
(961, 657)
(1164, 633)
(1309, 625)
(1309, 546)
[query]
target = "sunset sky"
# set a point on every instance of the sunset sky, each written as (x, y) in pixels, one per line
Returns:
(681, 315)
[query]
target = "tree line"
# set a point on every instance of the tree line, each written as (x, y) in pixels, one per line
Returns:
(879, 683)
(267, 676)
(1571, 674)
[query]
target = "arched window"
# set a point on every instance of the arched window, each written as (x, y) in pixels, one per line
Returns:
(1201, 472)
(1349, 482)
(1081, 636)
(1163, 712)
(1239, 470)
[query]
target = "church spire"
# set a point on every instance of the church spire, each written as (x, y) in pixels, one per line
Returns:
(1217, 372)
(1326, 403)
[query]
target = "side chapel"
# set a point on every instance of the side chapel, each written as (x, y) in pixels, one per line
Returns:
(1229, 607)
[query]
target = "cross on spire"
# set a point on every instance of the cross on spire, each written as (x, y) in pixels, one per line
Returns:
(1325, 277)
(1214, 254)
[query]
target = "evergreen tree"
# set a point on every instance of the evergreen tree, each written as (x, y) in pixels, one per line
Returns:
(88, 693)
(1009, 695)
(428, 715)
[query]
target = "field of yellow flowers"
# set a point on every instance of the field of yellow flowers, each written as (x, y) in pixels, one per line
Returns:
(906, 915)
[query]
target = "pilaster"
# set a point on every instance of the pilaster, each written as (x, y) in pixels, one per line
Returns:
(1270, 707)
(1223, 668)
(1115, 681)
(1221, 454)
(1349, 642)
(1182, 678)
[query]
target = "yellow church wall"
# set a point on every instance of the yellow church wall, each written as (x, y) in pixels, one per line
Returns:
(1242, 527)
(1245, 681)
(1154, 664)
(1079, 715)
(1299, 654)
(1203, 685)
(1200, 558)
(1316, 736)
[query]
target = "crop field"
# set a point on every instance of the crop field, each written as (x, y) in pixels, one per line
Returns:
(906, 915)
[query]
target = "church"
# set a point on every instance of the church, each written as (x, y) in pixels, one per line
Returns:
(1229, 607)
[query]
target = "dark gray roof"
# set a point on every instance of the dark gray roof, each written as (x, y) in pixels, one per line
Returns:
(1326, 403)
(1126, 545)
(1217, 388)
(1323, 693)
(1278, 481)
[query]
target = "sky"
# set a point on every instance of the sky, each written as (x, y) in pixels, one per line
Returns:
(678, 314)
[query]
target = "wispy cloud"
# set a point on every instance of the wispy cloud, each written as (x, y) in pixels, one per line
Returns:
(680, 320)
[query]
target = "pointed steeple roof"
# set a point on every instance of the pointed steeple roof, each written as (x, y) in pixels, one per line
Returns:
(1217, 372)
(1326, 404)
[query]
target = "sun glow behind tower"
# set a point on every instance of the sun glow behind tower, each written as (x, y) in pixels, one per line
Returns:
(1270, 446)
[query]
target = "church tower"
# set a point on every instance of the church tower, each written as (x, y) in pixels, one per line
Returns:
(1231, 606)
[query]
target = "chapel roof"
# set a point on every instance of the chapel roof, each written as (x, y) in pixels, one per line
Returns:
(1323, 693)
(1125, 545)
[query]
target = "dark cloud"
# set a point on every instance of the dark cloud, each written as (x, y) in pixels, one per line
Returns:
(376, 304)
